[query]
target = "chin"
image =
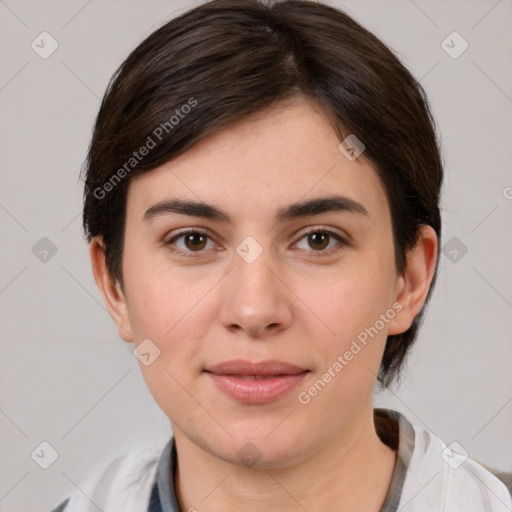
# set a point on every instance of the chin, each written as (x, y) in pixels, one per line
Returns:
(260, 448)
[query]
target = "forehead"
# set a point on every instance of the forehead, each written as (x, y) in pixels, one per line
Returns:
(262, 163)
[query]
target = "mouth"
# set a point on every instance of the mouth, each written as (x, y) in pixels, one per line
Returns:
(255, 383)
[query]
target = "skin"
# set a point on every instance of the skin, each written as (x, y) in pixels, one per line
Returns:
(292, 303)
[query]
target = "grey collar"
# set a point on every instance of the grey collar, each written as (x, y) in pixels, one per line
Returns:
(392, 427)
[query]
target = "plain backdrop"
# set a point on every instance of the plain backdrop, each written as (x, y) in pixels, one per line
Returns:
(66, 378)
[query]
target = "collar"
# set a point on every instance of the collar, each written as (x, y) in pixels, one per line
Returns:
(391, 426)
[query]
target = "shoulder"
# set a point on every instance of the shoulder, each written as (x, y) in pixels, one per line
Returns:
(61, 507)
(442, 477)
(123, 484)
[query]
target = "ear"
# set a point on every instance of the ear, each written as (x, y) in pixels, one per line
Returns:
(413, 285)
(110, 289)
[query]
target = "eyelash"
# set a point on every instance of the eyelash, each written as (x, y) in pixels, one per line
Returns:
(195, 254)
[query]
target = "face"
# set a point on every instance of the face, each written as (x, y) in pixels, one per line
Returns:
(258, 276)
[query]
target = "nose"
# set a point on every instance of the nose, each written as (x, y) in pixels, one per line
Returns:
(255, 298)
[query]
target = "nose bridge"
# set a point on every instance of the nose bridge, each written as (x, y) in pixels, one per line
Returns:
(254, 298)
(252, 274)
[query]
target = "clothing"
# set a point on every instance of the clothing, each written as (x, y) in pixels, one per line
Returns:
(428, 476)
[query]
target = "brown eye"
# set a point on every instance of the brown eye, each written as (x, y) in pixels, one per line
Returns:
(190, 243)
(195, 241)
(321, 241)
(318, 240)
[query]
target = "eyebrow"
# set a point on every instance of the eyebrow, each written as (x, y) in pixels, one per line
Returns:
(335, 203)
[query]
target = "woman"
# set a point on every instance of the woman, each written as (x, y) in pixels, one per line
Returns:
(262, 205)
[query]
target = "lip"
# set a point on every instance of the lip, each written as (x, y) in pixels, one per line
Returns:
(256, 383)
(263, 368)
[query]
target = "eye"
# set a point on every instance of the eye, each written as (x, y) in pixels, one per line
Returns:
(320, 241)
(194, 241)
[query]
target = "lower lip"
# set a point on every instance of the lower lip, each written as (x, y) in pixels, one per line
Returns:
(256, 391)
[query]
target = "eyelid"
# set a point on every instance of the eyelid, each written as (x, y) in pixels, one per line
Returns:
(322, 229)
(186, 231)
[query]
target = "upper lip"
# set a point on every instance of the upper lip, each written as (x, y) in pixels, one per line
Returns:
(243, 367)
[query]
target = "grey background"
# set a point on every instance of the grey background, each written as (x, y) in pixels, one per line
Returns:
(65, 375)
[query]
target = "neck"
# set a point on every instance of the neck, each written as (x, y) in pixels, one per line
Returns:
(351, 472)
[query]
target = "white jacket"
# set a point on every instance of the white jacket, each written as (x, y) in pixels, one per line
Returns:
(428, 476)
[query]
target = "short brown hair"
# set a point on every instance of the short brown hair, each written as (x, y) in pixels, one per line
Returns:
(226, 59)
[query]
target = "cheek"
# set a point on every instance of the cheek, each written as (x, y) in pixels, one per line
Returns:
(162, 302)
(351, 306)
(175, 312)
(171, 312)
(350, 357)
(348, 301)
(169, 382)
